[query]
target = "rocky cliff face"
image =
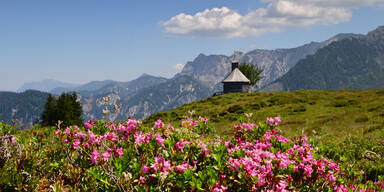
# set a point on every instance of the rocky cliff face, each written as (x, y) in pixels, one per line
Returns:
(146, 101)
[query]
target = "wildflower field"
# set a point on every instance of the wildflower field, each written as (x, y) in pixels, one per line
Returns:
(126, 156)
(187, 155)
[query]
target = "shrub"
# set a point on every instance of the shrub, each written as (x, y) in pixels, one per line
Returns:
(127, 156)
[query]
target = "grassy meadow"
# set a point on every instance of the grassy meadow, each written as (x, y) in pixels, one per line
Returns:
(327, 115)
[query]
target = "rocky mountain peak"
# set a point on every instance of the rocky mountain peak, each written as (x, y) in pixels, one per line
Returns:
(377, 34)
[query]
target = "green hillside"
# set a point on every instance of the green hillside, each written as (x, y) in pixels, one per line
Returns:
(326, 115)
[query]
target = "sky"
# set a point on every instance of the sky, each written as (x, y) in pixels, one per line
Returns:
(78, 41)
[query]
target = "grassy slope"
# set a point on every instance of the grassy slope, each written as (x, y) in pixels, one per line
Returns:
(329, 116)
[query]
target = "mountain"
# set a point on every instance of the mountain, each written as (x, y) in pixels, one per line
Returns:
(91, 86)
(212, 69)
(45, 85)
(352, 63)
(201, 77)
(25, 107)
(148, 100)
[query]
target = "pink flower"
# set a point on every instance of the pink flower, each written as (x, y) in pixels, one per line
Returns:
(159, 124)
(76, 143)
(110, 136)
(81, 135)
(87, 125)
(142, 179)
(67, 131)
(159, 159)
(270, 120)
(145, 168)
(159, 140)
(221, 188)
(119, 152)
(182, 167)
(180, 145)
(139, 138)
(76, 128)
(273, 121)
(248, 126)
(282, 185)
(92, 138)
(106, 156)
(204, 149)
(277, 120)
(95, 157)
(308, 170)
(170, 127)
(57, 132)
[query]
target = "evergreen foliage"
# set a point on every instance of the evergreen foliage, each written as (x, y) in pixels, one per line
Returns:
(251, 72)
(65, 108)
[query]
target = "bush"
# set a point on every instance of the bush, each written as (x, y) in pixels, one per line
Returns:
(104, 156)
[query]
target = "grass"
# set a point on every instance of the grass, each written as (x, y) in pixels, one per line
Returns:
(327, 115)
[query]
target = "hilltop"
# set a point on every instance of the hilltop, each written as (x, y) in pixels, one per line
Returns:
(327, 115)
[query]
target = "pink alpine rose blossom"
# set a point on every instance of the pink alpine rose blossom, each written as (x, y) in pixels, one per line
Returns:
(95, 157)
(119, 152)
(159, 124)
(106, 156)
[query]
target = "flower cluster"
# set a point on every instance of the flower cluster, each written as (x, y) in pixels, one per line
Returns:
(257, 158)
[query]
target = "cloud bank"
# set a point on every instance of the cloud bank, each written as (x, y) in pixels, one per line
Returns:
(275, 17)
(178, 67)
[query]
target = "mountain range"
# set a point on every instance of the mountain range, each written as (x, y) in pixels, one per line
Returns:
(46, 85)
(352, 63)
(343, 61)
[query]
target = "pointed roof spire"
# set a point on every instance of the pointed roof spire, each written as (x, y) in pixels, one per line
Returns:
(236, 76)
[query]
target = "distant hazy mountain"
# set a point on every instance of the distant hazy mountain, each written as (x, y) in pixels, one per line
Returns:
(25, 107)
(352, 63)
(91, 86)
(45, 85)
(212, 69)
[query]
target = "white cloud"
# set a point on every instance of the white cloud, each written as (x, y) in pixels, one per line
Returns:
(178, 67)
(275, 17)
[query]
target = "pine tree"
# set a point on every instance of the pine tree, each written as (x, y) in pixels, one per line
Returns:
(65, 108)
(49, 116)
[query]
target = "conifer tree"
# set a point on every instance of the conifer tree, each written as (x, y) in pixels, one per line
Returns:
(65, 108)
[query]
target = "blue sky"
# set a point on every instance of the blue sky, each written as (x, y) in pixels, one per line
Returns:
(79, 41)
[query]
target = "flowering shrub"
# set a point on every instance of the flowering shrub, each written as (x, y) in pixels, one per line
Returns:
(126, 156)
(103, 156)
